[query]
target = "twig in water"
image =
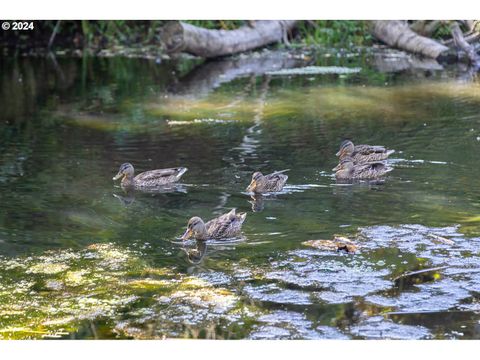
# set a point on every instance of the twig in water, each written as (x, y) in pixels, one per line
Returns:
(420, 272)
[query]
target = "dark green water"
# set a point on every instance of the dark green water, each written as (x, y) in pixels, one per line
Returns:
(79, 258)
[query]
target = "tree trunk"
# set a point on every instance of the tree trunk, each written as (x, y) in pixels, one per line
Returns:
(179, 36)
(398, 34)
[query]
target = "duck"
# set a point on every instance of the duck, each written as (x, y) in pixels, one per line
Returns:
(148, 179)
(262, 184)
(347, 170)
(223, 227)
(362, 154)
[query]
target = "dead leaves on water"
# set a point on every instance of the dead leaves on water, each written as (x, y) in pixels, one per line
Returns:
(339, 243)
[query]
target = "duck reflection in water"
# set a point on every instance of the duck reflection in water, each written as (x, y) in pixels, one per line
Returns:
(258, 201)
(196, 255)
(128, 196)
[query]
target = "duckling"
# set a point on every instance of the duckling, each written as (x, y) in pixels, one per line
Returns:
(273, 182)
(347, 170)
(223, 227)
(362, 154)
(148, 179)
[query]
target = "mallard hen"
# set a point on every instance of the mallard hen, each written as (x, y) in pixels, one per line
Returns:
(362, 154)
(223, 227)
(148, 179)
(273, 182)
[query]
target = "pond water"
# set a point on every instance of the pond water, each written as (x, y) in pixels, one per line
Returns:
(80, 258)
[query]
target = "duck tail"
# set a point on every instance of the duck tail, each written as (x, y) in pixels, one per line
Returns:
(388, 169)
(231, 214)
(280, 172)
(181, 171)
(242, 216)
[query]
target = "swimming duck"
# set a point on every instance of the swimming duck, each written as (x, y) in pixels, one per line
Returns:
(148, 178)
(273, 182)
(362, 154)
(223, 227)
(347, 170)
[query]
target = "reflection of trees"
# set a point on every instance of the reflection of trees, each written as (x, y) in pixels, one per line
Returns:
(27, 84)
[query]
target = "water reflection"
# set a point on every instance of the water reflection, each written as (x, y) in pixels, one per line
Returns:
(127, 198)
(195, 255)
(66, 240)
(258, 202)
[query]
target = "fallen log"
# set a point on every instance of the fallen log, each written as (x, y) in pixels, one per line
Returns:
(178, 36)
(397, 34)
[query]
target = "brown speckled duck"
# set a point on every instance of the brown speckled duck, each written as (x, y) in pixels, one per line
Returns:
(362, 154)
(347, 170)
(273, 182)
(223, 227)
(148, 179)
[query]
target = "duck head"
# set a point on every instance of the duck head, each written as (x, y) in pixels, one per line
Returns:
(346, 149)
(125, 170)
(257, 178)
(344, 168)
(195, 227)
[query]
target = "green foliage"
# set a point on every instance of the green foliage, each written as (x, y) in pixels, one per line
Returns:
(443, 31)
(334, 32)
(102, 34)
(218, 24)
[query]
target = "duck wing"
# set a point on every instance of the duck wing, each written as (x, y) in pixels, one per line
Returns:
(369, 149)
(226, 225)
(161, 174)
(276, 180)
(278, 172)
(372, 169)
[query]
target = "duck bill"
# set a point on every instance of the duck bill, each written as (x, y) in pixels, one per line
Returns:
(336, 168)
(118, 176)
(187, 234)
(252, 186)
(340, 153)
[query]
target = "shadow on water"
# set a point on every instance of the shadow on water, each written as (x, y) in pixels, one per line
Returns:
(81, 258)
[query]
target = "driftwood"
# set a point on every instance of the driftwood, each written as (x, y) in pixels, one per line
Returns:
(464, 45)
(182, 37)
(409, 38)
(397, 34)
